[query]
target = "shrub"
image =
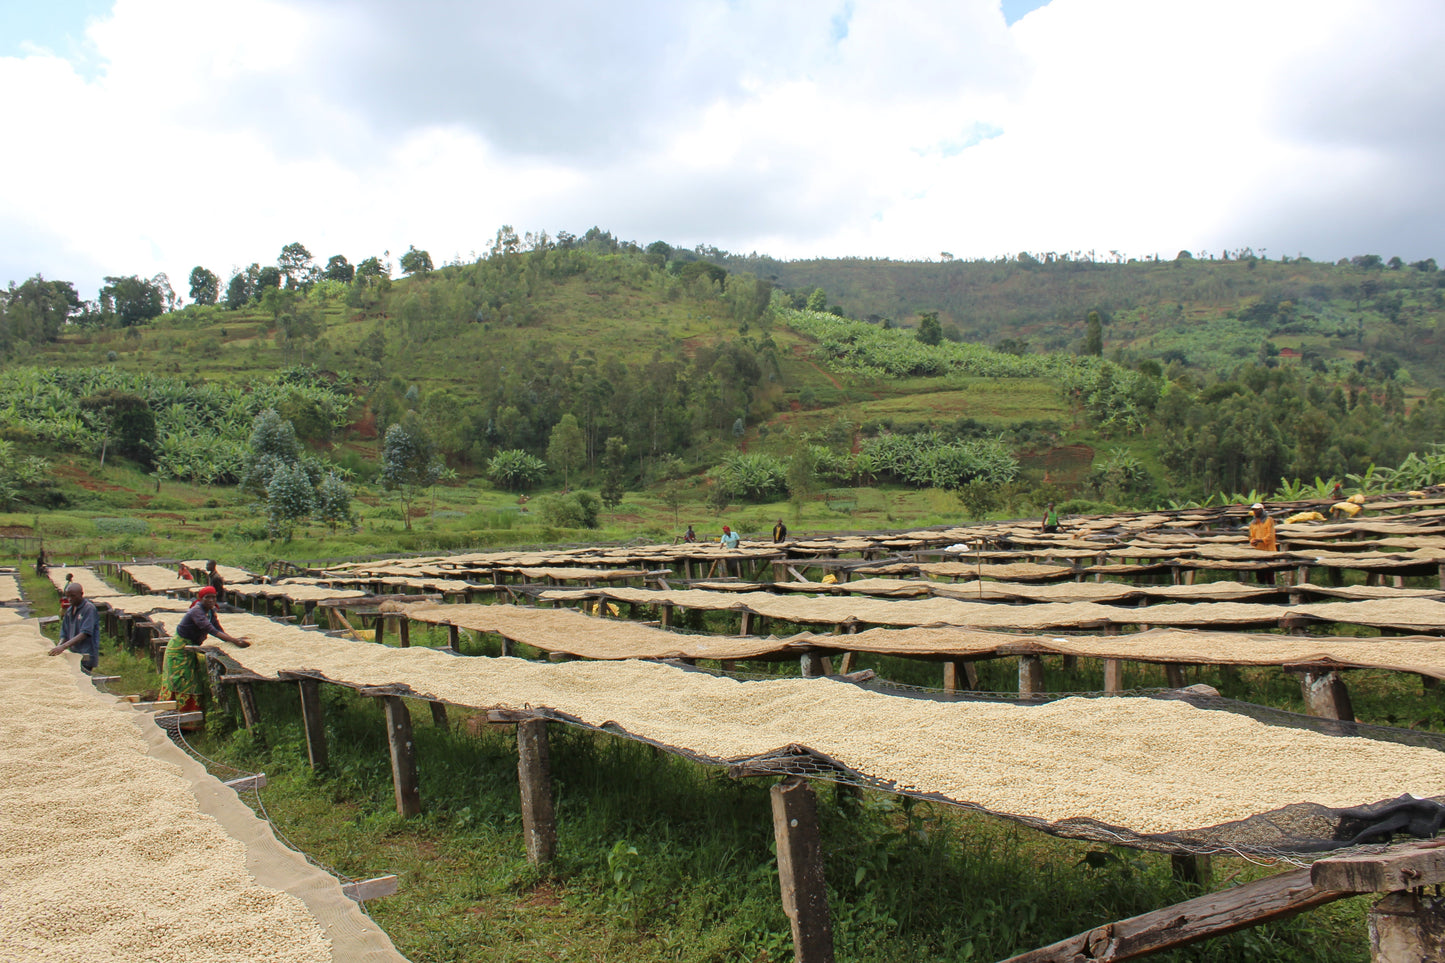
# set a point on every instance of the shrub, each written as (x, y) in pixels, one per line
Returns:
(573, 510)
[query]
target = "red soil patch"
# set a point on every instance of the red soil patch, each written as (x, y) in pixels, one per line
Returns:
(365, 426)
(17, 531)
(84, 480)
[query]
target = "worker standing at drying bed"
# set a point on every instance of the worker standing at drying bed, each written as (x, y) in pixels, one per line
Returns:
(182, 672)
(79, 627)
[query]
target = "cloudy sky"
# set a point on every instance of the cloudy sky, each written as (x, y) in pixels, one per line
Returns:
(155, 135)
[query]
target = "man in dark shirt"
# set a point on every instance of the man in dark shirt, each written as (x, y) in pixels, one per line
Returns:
(79, 628)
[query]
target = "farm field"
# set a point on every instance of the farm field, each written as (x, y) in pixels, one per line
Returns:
(662, 859)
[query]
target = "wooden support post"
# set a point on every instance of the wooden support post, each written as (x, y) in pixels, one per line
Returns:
(247, 697)
(1174, 674)
(506, 646)
(308, 610)
(403, 631)
(1407, 927)
(953, 670)
(664, 615)
(1113, 676)
(454, 638)
(812, 664)
(800, 870)
(313, 721)
(403, 756)
(534, 773)
(1031, 676)
(439, 715)
(1325, 696)
(747, 623)
(849, 660)
(380, 629)
(1189, 868)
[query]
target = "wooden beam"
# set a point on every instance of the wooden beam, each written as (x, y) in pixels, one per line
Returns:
(439, 714)
(1215, 914)
(403, 631)
(800, 870)
(534, 774)
(454, 638)
(403, 756)
(313, 721)
(376, 888)
(1418, 864)
(1174, 675)
(247, 783)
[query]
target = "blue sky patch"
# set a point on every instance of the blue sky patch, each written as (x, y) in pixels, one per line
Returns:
(976, 134)
(1015, 10)
(56, 25)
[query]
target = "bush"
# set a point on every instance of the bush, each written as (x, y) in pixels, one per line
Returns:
(573, 510)
(515, 469)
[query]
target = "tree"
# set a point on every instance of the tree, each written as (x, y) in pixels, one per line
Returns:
(205, 286)
(295, 266)
(566, 448)
(416, 262)
(266, 278)
(929, 330)
(242, 288)
(36, 310)
(371, 268)
(124, 420)
(289, 499)
(614, 468)
(272, 444)
(818, 300)
(408, 462)
(333, 501)
(132, 300)
(1094, 335)
(339, 269)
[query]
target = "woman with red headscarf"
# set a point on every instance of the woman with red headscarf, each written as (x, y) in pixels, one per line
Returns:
(182, 676)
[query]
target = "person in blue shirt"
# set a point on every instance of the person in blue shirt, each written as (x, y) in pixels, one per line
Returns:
(79, 628)
(729, 538)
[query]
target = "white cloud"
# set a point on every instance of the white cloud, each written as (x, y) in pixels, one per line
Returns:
(216, 133)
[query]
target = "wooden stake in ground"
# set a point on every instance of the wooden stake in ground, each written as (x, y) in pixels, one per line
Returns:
(800, 870)
(534, 773)
(403, 756)
(313, 721)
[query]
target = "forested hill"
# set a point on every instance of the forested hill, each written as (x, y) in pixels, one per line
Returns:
(1208, 313)
(694, 373)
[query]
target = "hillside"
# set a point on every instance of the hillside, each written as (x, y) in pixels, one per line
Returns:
(694, 385)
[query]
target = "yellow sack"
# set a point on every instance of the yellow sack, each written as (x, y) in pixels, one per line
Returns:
(1345, 508)
(830, 579)
(1358, 498)
(1304, 517)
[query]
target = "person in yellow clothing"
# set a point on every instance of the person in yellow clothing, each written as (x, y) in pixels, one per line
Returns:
(1261, 529)
(1261, 536)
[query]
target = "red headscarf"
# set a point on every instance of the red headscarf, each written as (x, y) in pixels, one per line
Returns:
(204, 592)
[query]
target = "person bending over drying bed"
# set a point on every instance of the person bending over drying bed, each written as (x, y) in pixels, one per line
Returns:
(79, 627)
(182, 674)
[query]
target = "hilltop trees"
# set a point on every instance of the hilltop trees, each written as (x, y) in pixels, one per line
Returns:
(416, 262)
(205, 286)
(37, 311)
(131, 300)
